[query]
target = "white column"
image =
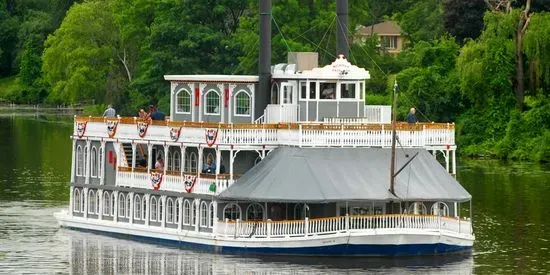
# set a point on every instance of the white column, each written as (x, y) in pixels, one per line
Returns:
(73, 161)
(71, 200)
(85, 190)
(149, 153)
(231, 160)
(88, 150)
(163, 222)
(199, 161)
(102, 163)
(447, 160)
(131, 219)
(197, 204)
(180, 212)
(100, 199)
(115, 205)
(147, 202)
(218, 160)
(166, 148)
(133, 156)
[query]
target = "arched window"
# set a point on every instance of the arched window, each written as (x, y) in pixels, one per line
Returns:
(76, 200)
(193, 162)
(194, 212)
(183, 102)
(169, 210)
(275, 93)
(144, 207)
(100, 163)
(121, 204)
(417, 208)
(153, 208)
(177, 212)
(254, 212)
(98, 202)
(106, 203)
(79, 161)
(204, 214)
(91, 202)
(301, 211)
(232, 211)
(94, 162)
(176, 161)
(137, 207)
(212, 106)
(160, 210)
(113, 206)
(128, 206)
(212, 215)
(169, 161)
(186, 212)
(440, 209)
(242, 104)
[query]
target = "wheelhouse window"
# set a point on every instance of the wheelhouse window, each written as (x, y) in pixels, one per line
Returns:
(328, 91)
(232, 212)
(212, 103)
(312, 90)
(183, 102)
(347, 90)
(242, 104)
(303, 90)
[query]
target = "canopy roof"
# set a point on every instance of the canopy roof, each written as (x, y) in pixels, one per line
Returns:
(291, 174)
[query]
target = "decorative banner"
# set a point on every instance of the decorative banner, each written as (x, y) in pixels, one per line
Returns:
(111, 127)
(211, 136)
(189, 182)
(142, 127)
(156, 180)
(175, 133)
(81, 128)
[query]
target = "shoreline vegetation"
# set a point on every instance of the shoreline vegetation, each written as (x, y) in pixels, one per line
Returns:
(483, 64)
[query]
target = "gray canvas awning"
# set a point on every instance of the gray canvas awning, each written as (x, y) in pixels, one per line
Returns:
(290, 174)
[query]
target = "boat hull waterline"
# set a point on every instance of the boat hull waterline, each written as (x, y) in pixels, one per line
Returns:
(379, 242)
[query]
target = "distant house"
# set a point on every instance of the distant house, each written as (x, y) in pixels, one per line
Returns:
(388, 32)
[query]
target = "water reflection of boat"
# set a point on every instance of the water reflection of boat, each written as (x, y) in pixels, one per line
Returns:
(96, 254)
(305, 173)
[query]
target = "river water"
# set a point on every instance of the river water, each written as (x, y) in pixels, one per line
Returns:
(508, 212)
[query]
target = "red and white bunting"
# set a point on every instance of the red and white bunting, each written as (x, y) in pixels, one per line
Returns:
(111, 127)
(175, 133)
(189, 182)
(156, 180)
(211, 136)
(81, 128)
(142, 127)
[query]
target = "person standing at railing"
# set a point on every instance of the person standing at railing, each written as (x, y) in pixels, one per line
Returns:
(159, 165)
(411, 117)
(110, 112)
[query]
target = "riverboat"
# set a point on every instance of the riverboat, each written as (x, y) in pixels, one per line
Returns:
(288, 162)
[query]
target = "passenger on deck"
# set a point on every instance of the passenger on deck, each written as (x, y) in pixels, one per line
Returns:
(142, 114)
(159, 165)
(155, 114)
(210, 166)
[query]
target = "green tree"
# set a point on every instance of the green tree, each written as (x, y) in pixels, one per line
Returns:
(423, 21)
(464, 19)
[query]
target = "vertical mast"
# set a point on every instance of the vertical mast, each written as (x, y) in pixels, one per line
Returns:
(262, 96)
(342, 45)
(393, 135)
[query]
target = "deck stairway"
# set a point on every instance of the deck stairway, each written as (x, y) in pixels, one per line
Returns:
(127, 151)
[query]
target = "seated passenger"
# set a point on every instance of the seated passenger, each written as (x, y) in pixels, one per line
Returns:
(210, 166)
(328, 93)
(157, 115)
(159, 165)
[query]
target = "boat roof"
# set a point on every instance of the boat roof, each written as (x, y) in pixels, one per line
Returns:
(292, 174)
(213, 78)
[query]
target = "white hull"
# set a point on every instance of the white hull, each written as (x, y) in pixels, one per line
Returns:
(373, 242)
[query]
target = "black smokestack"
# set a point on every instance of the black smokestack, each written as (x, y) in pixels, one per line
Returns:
(342, 46)
(263, 94)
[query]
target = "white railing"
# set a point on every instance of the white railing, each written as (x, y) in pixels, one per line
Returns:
(427, 135)
(346, 120)
(323, 226)
(378, 113)
(276, 113)
(173, 183)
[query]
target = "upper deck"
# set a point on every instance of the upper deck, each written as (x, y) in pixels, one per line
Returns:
(346, 133)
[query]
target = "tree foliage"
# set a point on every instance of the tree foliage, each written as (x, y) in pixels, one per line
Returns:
(464, 19)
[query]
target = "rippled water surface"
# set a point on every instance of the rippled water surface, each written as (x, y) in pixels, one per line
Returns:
(510, 203)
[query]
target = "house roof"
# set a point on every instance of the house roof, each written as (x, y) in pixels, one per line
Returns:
(384, 28)
(292, 174)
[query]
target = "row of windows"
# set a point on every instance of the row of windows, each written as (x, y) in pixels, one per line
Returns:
(96, 161)
(213, 101)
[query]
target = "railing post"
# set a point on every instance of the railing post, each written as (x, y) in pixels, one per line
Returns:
(299, 135)
(347, 222)
(306, 226)
(268, 228)
(342, 135)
